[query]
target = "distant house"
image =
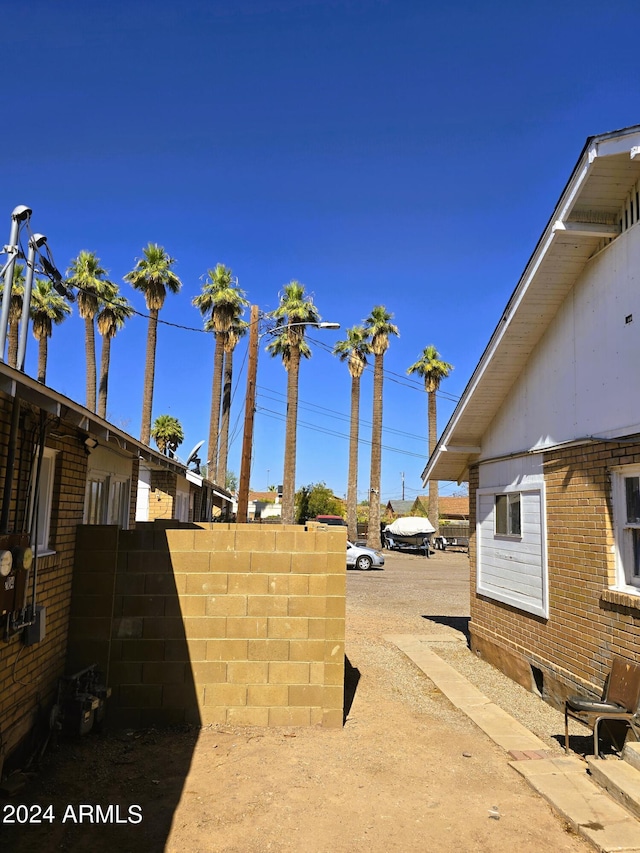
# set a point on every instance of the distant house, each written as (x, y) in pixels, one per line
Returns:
(400, 508)
(265, 505)
(453, 510)
(547, 433)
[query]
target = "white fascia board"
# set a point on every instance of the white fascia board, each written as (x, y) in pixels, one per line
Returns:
(194, 478)
(619, 144)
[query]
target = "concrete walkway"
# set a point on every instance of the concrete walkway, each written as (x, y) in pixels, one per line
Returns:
(562, 781)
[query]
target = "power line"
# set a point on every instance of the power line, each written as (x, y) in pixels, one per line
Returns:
(340, 415)
(315, 428)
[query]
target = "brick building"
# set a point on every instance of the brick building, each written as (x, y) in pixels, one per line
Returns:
(547, 433)
(86, 473)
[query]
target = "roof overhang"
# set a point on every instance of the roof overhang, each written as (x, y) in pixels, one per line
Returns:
(15, 383)
(587, 211)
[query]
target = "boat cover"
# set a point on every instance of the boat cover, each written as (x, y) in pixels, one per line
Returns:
(410, 526)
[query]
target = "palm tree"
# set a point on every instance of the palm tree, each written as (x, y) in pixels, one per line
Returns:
(110, 319)
(379, 326)
(167, 433)
(294, 312)
(238, 330)
(153, 275)
(15, 312)
(354, 350)
(221, 302)
(433, 370)
(47, 307)
(88, 276)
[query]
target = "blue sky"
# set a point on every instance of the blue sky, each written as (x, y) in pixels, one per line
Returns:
(398, 153)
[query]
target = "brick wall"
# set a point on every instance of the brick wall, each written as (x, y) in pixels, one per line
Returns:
(213, 623)
(588, 622)
(29, 674)
(162, 495)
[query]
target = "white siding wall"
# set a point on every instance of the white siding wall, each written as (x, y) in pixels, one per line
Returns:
(513, 569)
(579, 380)
(144, 490)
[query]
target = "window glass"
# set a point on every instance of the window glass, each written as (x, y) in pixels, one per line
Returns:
(514, 515)
(632, 488)
(43, 507)
(507, 514)
(501, 515)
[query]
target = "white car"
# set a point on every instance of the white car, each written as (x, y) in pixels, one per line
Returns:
(363, 558)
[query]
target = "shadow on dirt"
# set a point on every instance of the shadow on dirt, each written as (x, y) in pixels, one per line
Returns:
(458, 623)
(351, 679)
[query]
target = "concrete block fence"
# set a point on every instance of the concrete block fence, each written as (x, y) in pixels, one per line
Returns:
(213, 623)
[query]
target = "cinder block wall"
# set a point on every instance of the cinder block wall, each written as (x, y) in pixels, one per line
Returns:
(588, 622)
(214, 623)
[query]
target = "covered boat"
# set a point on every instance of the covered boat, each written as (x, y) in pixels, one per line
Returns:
(408, 532)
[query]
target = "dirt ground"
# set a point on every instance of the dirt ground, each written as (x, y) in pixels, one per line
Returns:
(408, 772)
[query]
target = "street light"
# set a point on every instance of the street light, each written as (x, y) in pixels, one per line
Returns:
(250, 401)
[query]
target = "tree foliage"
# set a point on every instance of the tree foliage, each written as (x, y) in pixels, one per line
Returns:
(316, 499)
(167, 433)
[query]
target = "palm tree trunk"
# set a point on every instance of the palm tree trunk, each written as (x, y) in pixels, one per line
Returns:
(221, 476)
(214, 419)
(434, 514)
(149, 376)
(352, 482)
(90, 352)
(43, 345)
(105, 358)
(289, 478)
(13, 343)
(373, 535)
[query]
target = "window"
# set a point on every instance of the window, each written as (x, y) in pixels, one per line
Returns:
(107, 500)
(507, 514)
(44, 500)
(626, 498)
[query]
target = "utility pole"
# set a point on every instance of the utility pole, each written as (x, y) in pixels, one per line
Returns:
(402, 475)
(249, 411)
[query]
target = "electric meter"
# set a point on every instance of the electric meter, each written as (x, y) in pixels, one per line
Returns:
(6, 563)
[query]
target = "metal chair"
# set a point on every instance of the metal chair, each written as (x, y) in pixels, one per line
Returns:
(619, 701)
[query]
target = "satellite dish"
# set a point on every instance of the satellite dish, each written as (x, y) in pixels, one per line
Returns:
(193, 456)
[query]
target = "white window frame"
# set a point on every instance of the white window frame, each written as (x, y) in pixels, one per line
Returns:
(110, 484)
(626, 578)
(45, 500)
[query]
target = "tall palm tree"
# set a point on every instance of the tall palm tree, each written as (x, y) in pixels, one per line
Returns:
(295, 311)
(379, 326)
(221, 302)
(354, 350)
(110, 319)
(433, 370)
(167, 433)
(154, 276)
(88, 276)
(15, 312)
(237, 331)
(47, 307)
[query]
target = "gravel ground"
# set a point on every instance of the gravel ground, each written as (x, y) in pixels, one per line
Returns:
(407, 773)
(436, 591)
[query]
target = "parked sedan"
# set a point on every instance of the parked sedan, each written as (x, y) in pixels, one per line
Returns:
(363, 558)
